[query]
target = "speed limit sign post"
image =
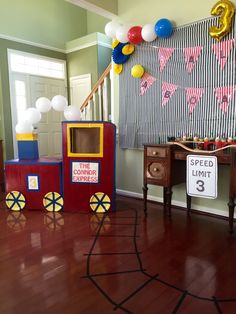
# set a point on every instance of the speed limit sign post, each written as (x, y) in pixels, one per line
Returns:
(202, 176)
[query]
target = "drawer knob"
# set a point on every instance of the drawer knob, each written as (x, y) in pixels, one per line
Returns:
(154, 153)
(155, 169)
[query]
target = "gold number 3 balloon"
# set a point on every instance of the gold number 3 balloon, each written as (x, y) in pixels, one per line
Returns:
(225, 9)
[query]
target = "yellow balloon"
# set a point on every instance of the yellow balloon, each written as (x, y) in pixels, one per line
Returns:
(137, 71)
(225, 9)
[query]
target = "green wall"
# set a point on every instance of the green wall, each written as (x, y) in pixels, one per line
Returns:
(47, 22)
(82, 62)
(104, 59)
(180, 12)
(130, 162)
(95, 23)
(5, 106)
(109, 5)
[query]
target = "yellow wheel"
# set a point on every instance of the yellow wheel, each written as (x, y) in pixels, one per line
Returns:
(100, 202)
(53, 202)
(15, 200)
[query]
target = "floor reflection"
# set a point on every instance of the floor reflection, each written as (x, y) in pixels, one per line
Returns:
(100, 220)
(16, 221)
(54, 221)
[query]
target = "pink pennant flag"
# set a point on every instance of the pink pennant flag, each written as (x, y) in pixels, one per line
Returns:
(164, 55)
(224, 96)
(222, 50)
(168, 90)
(146, 81)
(193, 96)
(191, 55)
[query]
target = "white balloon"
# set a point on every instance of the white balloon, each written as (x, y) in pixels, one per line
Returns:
(148, 33)
(59, 103)
(43, 104)
(110, 29)
(32, 115)
(24, 127)
(72, 113)
(122, 33)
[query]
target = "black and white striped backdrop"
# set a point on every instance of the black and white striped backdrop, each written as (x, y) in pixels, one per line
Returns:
(142, 119)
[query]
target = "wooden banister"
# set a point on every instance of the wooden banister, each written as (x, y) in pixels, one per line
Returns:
(96, 86)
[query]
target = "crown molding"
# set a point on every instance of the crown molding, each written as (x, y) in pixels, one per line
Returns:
(31, 43)
(93, 43)
(93, 8)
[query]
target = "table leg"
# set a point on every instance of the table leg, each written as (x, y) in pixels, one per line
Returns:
(189, 201)
(168, 199)
(145, 189)
(164, 198)
(231, 206)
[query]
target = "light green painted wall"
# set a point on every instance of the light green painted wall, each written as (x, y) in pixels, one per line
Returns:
(95, 23)
(104, 59)
(5, 107)
(48, 22)
(109, 5)
(130, 162)
(180, 12)
(82, 62)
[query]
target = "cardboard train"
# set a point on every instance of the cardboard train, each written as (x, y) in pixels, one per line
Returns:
(82, 180)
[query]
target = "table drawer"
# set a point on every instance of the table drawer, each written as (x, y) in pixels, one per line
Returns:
(160, 152)
(156, 170)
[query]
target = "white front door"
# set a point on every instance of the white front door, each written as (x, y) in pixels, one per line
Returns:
(25, 89)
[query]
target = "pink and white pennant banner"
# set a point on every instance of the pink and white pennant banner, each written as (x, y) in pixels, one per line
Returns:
(168, 90)
(164, 55)
(224, 96)
(146, 81)
(191, 55)
(222, 51)
(193, 96)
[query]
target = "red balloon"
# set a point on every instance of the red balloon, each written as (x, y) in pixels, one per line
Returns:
(134, 35)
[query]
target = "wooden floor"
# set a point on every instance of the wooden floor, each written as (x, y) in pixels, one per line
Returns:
(118, 263)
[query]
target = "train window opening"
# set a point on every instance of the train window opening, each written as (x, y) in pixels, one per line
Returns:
(84, 140)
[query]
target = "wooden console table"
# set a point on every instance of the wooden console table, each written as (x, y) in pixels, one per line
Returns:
(165, 165)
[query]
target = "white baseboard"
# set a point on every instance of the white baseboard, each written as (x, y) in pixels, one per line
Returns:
(214, 211)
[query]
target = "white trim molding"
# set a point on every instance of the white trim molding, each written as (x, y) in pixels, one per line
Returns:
(27, 42)
(93, 43)
(203, 209)
(93, 8)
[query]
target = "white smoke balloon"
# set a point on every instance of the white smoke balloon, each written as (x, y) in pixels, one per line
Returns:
(32, 115)
(43, 104)
(59, 103)
(24, 127)
(72, 113)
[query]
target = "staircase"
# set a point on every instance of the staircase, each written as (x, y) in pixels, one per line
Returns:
(97, 106)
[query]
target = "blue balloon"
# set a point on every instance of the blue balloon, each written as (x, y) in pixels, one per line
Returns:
(163, 28)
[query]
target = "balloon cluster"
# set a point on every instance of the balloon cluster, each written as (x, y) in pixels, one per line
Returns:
(137, 34)
(33, 115)
(120, 54)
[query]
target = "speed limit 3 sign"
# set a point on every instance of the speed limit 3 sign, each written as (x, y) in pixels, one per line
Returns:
(202, 176)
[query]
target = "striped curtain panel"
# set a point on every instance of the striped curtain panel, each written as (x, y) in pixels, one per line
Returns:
(191, 77)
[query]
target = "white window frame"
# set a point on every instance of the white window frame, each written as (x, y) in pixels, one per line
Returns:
(37, 57)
